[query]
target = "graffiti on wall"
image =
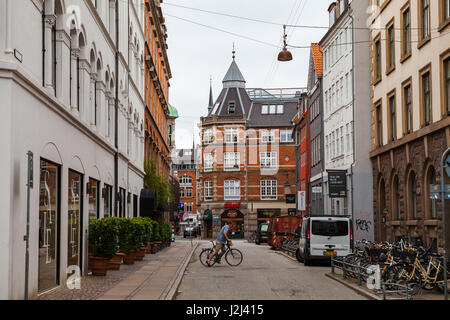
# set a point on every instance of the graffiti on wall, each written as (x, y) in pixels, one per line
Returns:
(364, 226)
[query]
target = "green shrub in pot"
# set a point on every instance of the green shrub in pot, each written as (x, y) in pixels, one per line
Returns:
(103, 238)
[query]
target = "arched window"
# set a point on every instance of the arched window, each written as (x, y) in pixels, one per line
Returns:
(412, 195)
(395, 199)
(430, 204)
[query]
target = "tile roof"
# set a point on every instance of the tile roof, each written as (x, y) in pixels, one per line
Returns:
(317, 56)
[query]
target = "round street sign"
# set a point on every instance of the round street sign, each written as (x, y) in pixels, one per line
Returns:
(447, 164)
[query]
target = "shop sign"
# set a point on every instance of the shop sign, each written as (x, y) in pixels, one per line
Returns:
(290, 198)
(316, 189)
(232, 214)
(232, 205)
(337, 183)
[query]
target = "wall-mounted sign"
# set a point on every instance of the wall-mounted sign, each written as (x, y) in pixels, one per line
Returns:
(180, 206)
(337, 183)
(316, 189)
(232, 214)
(290, 198)
(232, 205)
(292, 211)
(301, 201)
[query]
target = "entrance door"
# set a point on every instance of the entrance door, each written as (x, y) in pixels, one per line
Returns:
(49, 198)
(237, 226)
(74, 221)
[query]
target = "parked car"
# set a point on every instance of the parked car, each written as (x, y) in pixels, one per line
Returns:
(322, 237)
(261, 233)
(189, 232)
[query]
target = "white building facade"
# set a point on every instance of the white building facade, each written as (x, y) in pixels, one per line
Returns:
(346, 120)
(72, 85)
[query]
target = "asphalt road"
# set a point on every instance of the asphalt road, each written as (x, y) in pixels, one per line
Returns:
(263, 275)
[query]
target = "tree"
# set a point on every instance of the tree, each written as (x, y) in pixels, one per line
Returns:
(162, 186)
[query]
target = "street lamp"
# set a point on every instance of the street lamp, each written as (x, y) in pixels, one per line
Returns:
(285, 54)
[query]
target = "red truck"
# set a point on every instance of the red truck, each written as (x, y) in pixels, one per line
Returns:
(281, 228)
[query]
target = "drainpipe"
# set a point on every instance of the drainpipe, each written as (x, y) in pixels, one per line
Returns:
(43, 44)
(116, 115)
(353, 112)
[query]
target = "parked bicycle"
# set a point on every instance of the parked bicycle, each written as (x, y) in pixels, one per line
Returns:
(232, 256)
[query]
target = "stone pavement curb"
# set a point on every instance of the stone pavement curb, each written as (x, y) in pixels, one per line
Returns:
(354, 287)
(172, 287)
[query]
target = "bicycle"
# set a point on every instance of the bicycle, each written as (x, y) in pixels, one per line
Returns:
(232, 256)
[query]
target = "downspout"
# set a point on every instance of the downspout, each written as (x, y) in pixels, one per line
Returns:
(353, 112)
(116, 115)
(43, 44)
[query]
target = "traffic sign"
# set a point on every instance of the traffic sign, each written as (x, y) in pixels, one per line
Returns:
(436, 191)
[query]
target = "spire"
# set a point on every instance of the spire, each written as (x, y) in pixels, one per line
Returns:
(233, 78)
(211, 101)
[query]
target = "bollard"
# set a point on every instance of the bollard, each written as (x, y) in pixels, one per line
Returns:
(359, 273)
(332, 265)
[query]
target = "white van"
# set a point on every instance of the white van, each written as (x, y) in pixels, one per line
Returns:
(322, 237)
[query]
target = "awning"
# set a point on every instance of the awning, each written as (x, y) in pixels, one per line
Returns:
(207, 215)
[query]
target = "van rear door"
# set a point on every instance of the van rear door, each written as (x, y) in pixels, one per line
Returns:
(330, 236)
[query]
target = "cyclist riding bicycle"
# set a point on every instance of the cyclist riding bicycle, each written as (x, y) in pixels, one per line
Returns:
(221, 240)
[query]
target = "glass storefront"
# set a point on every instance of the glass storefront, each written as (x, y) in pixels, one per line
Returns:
(49, 198)
(74, 221)
(107, 200)
(93, 199)
(122, 203)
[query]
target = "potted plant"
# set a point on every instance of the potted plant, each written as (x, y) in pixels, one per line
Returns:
(125, 240)
(102, 239)
(157, 238)
(148, 234)
(154, 246)
(115, 262)
(138, 238)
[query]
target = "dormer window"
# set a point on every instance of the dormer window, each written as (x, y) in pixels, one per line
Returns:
(231, 107)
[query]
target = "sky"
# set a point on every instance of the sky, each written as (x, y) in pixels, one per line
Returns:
(197, 53)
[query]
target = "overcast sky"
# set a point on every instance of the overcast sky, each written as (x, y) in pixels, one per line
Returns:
(197, 52)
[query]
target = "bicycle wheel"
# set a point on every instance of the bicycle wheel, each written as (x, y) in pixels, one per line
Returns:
(204, 256)
(234, 257)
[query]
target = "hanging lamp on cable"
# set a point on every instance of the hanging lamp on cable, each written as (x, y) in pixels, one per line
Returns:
(285, 54)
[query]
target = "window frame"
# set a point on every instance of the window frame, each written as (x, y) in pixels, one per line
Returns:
(444, 9)
(265, 188)
(405, 45)
(208, 190)
(377, 60)
(445, 92)
(236, 160)
(269, 156)
(231, 133)
(423, 39)
(405, 84)
(390, 47)
(206, 167)
(391, 111)
(379, 123)
(425, 71)
(231, 187)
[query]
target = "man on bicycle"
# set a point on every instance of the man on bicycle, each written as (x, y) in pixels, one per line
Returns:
(220, 242)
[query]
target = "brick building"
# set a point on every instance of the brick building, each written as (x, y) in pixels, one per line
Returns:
(248, 156)
(185, 170)
(157, 75)
(410, 69)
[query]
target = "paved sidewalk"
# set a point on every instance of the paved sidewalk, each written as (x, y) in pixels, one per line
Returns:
(158, 278)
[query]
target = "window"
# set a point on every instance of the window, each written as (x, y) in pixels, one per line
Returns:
(268, 159)
(268, 189)
(412, 195)
(188, 193)
(186, 181)
(407, 106)
(379, 126)
(188, 207)
(431, 205)
(445, 83)
(395, 199)
(267, 135)
(207, 162)
(286, 135)
(93, 199)
(107, 200)
(392, 120)
(207, 136)
(424, 20)
(265, 109)
(232, 160)
(406, 32)
(390, 47)
(182, 193)
(231, 135)
(377, 59)
(444, 13)
(208, 192)
(231, 107)
(280, 109)
(232, 190)
(425, 93)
